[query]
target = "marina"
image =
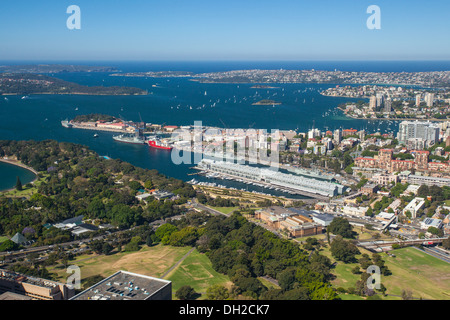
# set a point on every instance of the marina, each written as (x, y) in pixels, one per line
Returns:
(45, 114)
(272, 180)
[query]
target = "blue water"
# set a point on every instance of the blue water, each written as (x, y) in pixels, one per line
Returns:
(179, 101)
(9, 174)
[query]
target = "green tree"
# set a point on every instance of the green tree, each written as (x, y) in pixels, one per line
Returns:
(134, 244)
(107, 248)
(217, 292)
(436, 231)
(300, 293)
(343, 250)
(8, 245)
(186, 293)
(356, 270)
(19, 184)
(341, 226)
(287, 279)
(446, 243)
(163, 232)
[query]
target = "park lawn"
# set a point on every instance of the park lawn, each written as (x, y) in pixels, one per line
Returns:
(425, 276)
(151, 261)
(365, 234)
(225, 210)
(26, 192)
(196, 271)
(3, 238)
(343, 271)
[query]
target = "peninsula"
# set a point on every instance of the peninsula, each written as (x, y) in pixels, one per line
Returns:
(30, 83)
(53, 68)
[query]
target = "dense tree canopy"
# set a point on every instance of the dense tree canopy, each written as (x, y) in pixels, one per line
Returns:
(74, 181)
(341, 226)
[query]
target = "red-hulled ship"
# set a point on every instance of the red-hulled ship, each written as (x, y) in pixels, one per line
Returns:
(156, 143)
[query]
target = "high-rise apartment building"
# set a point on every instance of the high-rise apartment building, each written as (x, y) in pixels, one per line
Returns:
(425, 130)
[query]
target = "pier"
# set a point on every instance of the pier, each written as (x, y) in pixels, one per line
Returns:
(272, 180)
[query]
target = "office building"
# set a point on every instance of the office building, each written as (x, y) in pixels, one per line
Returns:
(414, 206)
(296, 223)
(33, 287)
(124, 285)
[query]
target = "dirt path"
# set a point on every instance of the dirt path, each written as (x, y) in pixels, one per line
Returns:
(177, 264)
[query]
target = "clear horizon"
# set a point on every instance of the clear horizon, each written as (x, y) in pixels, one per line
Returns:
(201, 30)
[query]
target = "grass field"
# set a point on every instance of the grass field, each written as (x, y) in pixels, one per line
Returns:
(25, 192)
(226, 210)
(196, 271)
(150, 261)
(425, 276)
(2, 239)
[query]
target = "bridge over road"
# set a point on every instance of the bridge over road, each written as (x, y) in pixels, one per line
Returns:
(380, 245)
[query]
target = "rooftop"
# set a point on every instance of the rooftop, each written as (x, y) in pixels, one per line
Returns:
(123, 285)
(7, 275)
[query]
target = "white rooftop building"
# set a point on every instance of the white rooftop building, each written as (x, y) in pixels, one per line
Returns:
(430, 222)
(415, 205)
(355, 211)
(274, 177)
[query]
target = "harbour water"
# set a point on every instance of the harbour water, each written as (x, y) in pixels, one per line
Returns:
(179, 101)
(9, 174)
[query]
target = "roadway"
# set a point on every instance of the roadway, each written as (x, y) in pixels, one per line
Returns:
(437, 253)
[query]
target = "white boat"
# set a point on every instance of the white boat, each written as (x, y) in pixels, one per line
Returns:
(66, 124)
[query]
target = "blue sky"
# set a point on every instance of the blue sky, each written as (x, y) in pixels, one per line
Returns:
(224, 30)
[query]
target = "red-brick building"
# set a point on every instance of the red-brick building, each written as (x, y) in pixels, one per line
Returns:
(385, 161)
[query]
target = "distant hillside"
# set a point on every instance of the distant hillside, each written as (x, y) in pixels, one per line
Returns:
(53, 68)
(29, 83)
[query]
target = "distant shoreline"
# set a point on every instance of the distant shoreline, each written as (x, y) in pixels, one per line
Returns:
(74, 93)
(392, 119)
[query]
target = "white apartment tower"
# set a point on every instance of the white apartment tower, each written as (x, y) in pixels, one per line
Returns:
(425, 130)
